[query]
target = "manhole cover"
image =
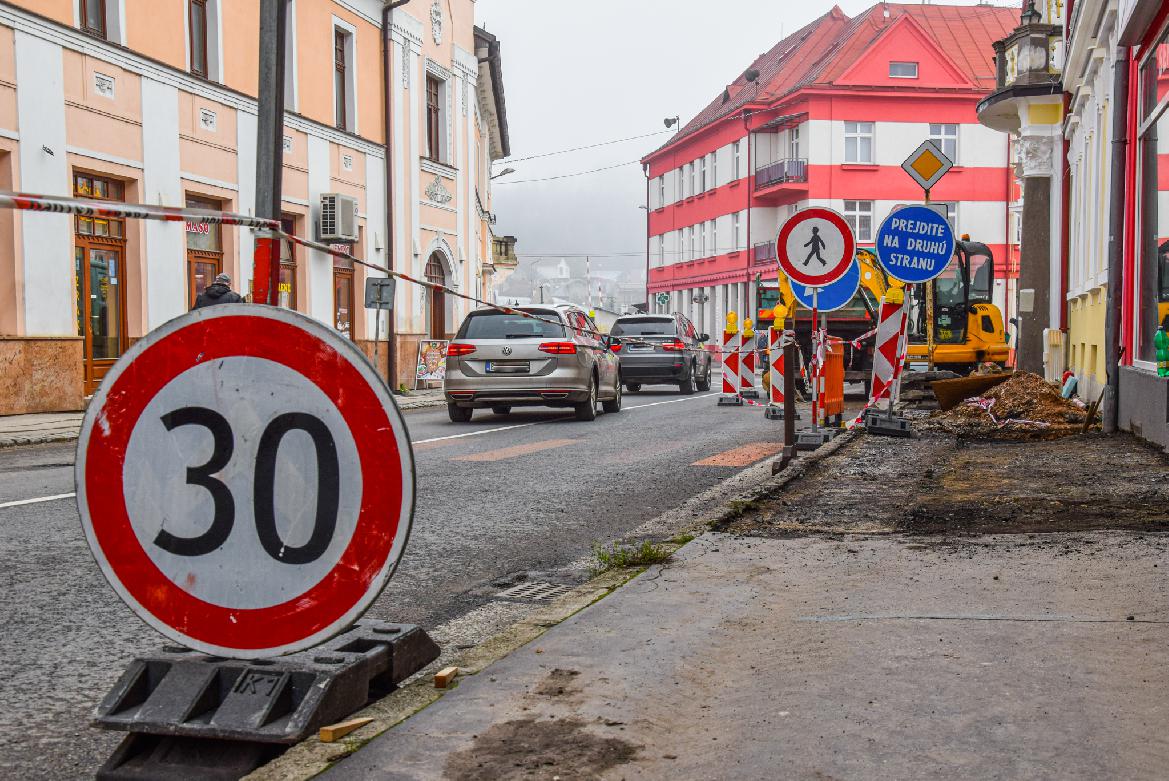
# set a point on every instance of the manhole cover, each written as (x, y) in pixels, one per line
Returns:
(535, 591)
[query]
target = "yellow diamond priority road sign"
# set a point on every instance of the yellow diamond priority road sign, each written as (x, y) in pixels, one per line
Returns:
(927, 165)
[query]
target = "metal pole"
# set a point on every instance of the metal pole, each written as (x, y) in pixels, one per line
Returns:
(929, 317)
(1111, 412)
(269, 149)
(388, 130)
(815, 359)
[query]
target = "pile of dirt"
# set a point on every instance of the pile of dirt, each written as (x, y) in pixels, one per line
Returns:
(1024, 407)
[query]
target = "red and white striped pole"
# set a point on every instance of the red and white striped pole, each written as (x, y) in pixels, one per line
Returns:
(815, 357)
(902, 353)
(732, 341)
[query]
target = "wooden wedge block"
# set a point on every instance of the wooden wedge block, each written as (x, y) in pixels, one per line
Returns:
(335, 732)
(443, 677)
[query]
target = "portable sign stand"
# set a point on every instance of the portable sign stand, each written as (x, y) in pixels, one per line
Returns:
(815, 248)
(915, 245)
(274, 543)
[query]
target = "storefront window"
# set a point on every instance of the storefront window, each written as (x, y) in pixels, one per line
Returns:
(204, 250)
(287, 288)
(1153, 170)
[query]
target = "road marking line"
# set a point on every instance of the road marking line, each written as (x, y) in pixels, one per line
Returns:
(542, 422)
(672, 401)
(744, 455)
(514, 451)
(477, 433)
(39, 499)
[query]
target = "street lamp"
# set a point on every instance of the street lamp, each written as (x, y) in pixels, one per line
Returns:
(504, 172)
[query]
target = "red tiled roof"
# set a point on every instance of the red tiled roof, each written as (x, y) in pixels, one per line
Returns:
(819, 53)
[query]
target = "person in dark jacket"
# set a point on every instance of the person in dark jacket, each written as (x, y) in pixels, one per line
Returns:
(218, 292)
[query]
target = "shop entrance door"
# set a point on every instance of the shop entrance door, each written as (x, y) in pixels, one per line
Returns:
(99, 258)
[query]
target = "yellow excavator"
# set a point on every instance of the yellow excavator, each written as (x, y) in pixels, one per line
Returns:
(968, 327)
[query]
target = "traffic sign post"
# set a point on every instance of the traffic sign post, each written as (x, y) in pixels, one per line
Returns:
(245, 481)
(815, 248)
(246, 485)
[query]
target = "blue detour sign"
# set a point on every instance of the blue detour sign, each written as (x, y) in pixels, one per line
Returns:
(833, 296)
(915, 244)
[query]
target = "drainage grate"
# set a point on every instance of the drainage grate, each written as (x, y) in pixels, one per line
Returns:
(535, 591)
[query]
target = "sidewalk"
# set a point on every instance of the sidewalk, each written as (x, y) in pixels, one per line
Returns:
(885, 641)
(40, 428)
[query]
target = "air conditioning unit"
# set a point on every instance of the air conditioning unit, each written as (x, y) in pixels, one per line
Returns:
(338, 217)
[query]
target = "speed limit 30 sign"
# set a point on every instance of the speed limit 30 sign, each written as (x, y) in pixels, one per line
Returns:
(245, 481)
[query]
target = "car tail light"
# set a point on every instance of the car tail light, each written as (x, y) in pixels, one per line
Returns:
(455, 349)
(558, 348)
(674, 346)
(615, 348)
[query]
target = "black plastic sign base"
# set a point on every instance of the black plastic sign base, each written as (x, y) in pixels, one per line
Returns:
(184, 708)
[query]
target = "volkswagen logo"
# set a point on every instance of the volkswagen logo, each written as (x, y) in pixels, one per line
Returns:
(507, 351)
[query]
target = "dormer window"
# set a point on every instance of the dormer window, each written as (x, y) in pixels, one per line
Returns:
(903, 70)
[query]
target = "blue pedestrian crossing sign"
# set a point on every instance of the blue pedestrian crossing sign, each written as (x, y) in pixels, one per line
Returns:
(833, 296)
(915, 244)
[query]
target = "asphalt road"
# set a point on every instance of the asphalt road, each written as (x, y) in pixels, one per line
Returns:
(499, 498)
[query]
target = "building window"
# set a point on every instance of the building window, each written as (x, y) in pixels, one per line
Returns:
(1153, 190)
(714, 248)
(433, 117)
(859, 215)
(702, 241)
(713, 170)
(735, 236)
(204, 32)
(702, 175)
(93, 17)
(661, 190)
(286, 288)
(661, 249)
(858, 142)
(290, 85)
(681, 179)
(342, 92)
(903, 70)
(690, 253)
(793, 143)
(738, 170)
(951, 212)
(945, 137)
(204, 250)
(690, 189)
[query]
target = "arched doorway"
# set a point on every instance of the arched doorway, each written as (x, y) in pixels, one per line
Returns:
(436, 299)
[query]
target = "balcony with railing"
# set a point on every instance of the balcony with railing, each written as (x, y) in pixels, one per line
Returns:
(793, 171)
(763, 254)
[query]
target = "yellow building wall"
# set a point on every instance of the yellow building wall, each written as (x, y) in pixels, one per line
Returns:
(1086, 337)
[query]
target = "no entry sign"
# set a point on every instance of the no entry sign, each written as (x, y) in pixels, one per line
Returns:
(915, 244)
(815, 247)
(245, 481)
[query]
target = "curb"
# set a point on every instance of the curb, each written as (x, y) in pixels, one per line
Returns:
(406, 403)
(312, 757)
(38, 439)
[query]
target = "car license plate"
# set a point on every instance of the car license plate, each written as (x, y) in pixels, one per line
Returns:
(641, 348)
(511, 367)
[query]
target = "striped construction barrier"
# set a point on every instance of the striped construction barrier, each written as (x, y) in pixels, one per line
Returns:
(887, 350)
(775, 346)
(732, 343)
(748, 376)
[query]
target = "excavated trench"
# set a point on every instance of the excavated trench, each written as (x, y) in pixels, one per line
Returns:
(937, 484)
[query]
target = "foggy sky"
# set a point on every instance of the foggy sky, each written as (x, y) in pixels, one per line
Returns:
(578, 73)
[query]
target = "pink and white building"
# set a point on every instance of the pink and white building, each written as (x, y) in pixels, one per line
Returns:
(825, 118)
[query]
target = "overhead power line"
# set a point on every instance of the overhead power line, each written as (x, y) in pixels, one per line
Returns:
(566, 176)
(579, 148)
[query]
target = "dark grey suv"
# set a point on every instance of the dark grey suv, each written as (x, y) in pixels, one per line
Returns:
(662, 350)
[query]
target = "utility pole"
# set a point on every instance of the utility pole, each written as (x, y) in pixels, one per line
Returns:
(269, 149)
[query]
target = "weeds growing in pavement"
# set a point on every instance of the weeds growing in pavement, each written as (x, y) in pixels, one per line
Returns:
(618, 556)
(682, 539)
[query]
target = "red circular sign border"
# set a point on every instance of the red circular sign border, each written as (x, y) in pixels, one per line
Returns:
(278, 628)
(822, 213)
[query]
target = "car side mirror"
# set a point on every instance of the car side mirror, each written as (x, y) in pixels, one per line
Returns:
(704, 337)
